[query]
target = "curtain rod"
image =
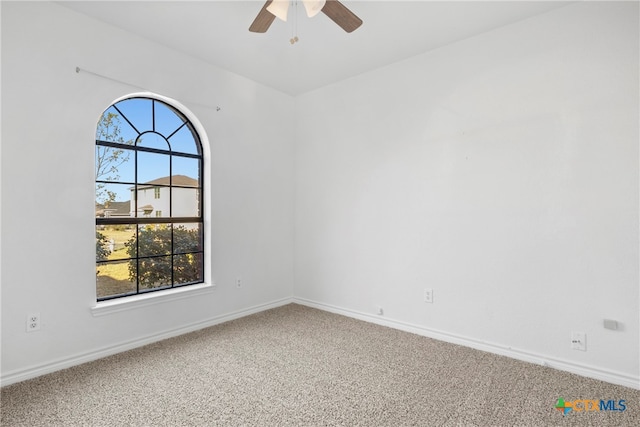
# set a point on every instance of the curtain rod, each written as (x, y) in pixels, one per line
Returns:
(93, 73)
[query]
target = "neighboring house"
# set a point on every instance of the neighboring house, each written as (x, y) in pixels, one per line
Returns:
(113, 209)
(153, 197)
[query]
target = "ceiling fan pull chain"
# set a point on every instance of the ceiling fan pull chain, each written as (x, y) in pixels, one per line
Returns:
(294, 25)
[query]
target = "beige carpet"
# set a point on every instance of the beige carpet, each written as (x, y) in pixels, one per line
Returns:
(297, 366)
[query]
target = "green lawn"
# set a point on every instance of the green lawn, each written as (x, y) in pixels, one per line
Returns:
(113, 278)
(120, 237)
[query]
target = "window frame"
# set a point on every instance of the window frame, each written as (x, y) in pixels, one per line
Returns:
(202, 218)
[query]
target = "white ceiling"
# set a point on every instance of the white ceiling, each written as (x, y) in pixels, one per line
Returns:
(217, 32)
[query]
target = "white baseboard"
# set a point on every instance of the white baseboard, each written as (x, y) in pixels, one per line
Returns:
(68, 362)
(562, 365)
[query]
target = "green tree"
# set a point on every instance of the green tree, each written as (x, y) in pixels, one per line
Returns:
(109, 159)
(156, 271)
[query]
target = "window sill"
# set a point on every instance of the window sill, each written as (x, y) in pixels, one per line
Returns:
(152, 298)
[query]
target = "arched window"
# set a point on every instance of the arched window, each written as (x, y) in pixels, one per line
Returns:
(149, 199)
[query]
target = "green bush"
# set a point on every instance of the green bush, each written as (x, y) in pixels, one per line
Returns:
(155, 242)
(102, 251)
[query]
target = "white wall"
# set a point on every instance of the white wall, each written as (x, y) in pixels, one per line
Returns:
(49, 116)
(501, 171)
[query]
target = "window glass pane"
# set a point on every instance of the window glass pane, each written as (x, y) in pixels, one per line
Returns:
(185, 202)
(152, 167)
(154, 239)
(113, 128)
(115, 242)
(186, 166)
(167, 121)
(115, 164)
(138, 112)
(153, 201)
(187, 268)
(153, 140)
(184, 141)
(154, 272)
(115, 278)
(187, 238)
(113, 200)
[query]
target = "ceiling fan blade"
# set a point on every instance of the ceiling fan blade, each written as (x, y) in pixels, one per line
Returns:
(342, 16)
(263, 21)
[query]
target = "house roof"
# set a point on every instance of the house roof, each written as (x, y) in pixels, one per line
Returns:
(116, 208)
(179, 180)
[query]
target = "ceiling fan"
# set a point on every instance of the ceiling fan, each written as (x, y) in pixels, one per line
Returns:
(335, 10)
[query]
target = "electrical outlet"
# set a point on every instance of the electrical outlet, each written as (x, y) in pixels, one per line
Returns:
(579, 341)
(428, 296)
(33, 322)
(238, 283)
(379, 310)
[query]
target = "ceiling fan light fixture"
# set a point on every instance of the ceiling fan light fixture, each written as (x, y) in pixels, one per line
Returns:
(335, 10)
(279, 8)
(313, 7)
